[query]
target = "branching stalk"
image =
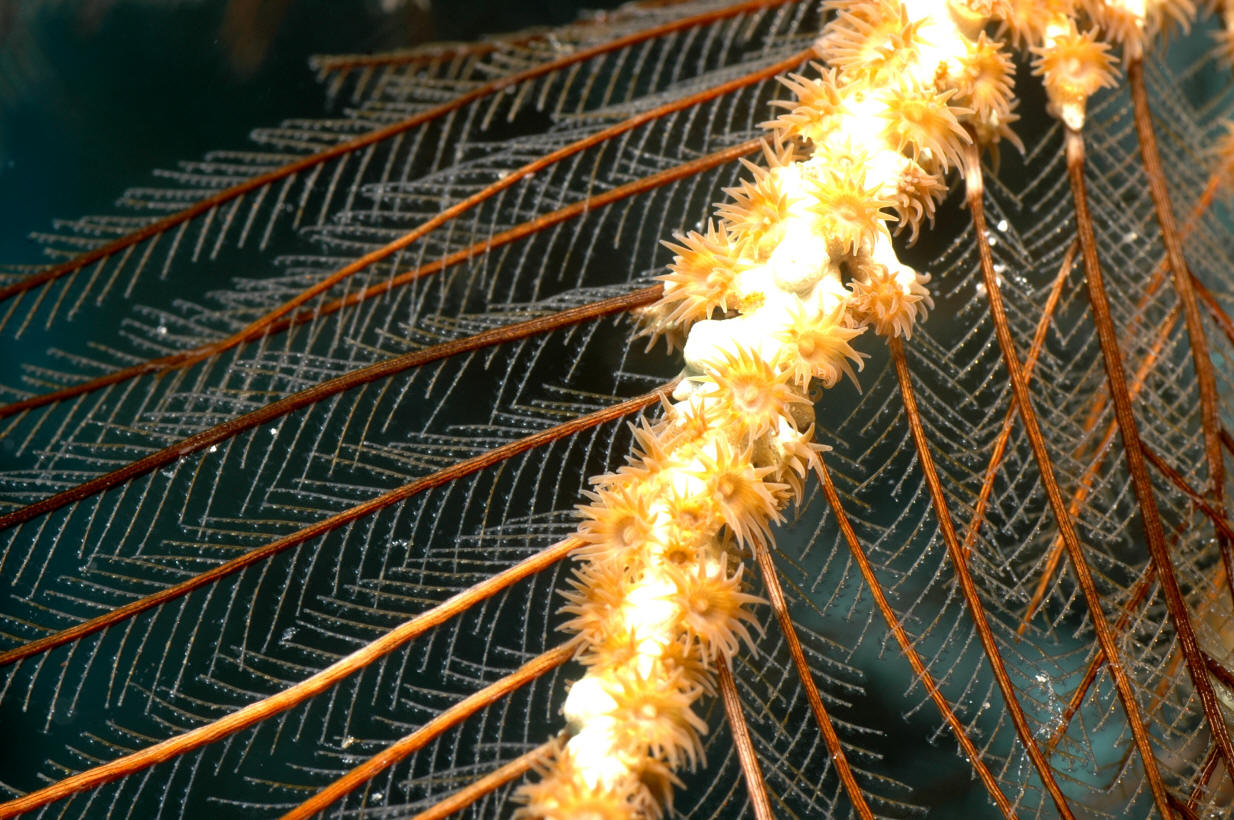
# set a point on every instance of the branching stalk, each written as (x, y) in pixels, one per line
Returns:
(967, 586)
(1132, 447)
(1201, 357)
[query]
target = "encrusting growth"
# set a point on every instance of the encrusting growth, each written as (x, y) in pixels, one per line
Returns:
(766, 300)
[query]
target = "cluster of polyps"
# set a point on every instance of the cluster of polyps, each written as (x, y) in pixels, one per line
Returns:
(769, 298)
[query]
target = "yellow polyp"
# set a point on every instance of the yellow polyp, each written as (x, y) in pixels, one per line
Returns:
(918, 193)
(847, 207)
(925, 122)
(756, 212)
(751, 393)
(700, 279)
(1073, 65)
(873, 40)
(1131, 23)
(891, 299)
(715, 610)
(985, 84)
(819, 346)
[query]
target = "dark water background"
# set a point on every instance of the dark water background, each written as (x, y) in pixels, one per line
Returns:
(94, 95)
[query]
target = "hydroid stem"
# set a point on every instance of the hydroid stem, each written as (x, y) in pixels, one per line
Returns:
(1201, 356)
(905, 641)
(967, 586)
(756, 788)
(779, 605)
(1062, 515)
(289, 170)
(380, 370)
(1100, 401)
(1004, 434)
(260, 325)
(1084, 486)
(164, 364)
(1133, 451)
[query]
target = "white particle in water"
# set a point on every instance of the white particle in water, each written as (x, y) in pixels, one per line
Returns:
(1002, 225)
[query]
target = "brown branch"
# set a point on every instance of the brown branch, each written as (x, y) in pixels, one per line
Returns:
(906, 645)
(1217, 578)
(967, 587)
(1215, 310)
(172, 361)
(1201, 357)
(532, 226)
(1182, 808)
(492, 781)
(1207, 770)
(462, 468)
(451, 717)
(1085, 485)
(1004, 435)
(420, 55)
(975, 191)
(1139, 594)
(1134, 453)
(286, 699)
(755, 786)
(1219, 521)
(1219, 671)
(831, 738)
(305, 163)
(1099, 402)
(323, 390)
